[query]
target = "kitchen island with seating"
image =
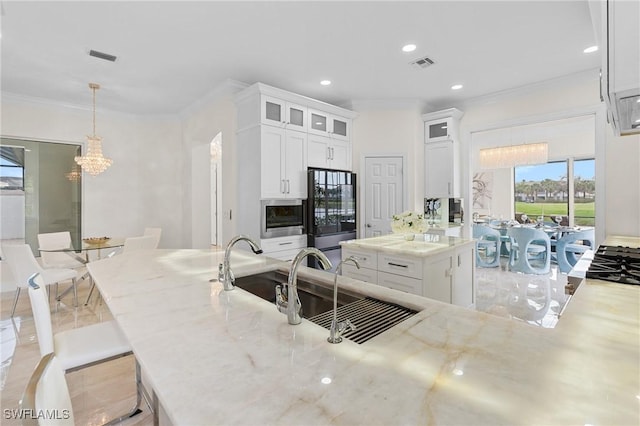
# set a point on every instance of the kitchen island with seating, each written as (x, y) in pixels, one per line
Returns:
(228, 357)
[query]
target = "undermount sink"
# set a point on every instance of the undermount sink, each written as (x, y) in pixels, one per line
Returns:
(371, 316)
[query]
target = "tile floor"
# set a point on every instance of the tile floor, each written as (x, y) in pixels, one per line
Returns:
(104, 391)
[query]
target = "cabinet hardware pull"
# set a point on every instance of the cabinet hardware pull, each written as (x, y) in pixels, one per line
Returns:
(285, 244)
(449, 188)
(288, 186)
(282, 188)
(397, 264)
(459, 260)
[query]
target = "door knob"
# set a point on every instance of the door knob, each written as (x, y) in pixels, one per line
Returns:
(368, 225)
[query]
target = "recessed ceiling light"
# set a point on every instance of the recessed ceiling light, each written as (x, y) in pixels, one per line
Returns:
(456, 87)
(408, 48)
(591, 49)
(325, 82)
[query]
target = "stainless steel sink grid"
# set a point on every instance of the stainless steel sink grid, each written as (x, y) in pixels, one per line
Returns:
(371, 317)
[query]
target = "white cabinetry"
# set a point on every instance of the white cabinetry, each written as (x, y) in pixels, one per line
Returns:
(283, 248)
(324, 124)
(325, 152)
(446, 276)
(620, 79)
(442, 154)
(283, 163)
(441, 169)
(277, 112)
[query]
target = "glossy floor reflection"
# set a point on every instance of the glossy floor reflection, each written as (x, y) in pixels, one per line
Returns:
(98, 393)
(535, 299)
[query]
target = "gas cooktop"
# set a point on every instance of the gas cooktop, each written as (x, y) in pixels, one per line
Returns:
(617, 264)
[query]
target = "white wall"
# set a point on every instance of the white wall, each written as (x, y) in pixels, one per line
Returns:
(142, 187)
(388, 131)
(202, 123)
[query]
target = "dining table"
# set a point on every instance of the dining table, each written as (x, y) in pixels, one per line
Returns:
(81, 252)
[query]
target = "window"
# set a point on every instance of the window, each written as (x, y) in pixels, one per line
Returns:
(11, 168)
(542, 192)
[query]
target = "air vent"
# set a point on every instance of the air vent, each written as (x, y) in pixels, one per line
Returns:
(102, 55)
(422, 62)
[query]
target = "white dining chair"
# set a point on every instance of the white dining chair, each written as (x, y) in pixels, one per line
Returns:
(156, 232)
(56, 241)
(488, 246)
(147, 242)
(81, 347)
(47, 393)
(22, 264)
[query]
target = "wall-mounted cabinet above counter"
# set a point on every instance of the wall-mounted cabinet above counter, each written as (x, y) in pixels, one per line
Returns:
(442, 153)
(618, 34)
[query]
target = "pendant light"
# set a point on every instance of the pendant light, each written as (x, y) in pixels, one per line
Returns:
(94, 162)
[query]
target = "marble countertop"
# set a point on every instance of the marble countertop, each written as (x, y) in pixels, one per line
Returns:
(216, 357)
(422, 245)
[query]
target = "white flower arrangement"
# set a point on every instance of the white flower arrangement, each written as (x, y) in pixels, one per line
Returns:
(408, 222)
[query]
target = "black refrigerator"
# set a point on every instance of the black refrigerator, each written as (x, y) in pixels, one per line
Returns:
(331, 210)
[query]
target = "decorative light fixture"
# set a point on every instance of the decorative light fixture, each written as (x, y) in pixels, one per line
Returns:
(94, 162)
(514, 155)
(75, 174)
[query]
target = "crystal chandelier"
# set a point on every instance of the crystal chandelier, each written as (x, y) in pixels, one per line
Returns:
(514, 155)
(94, 162)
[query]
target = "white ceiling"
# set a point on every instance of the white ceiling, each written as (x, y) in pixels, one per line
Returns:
(172, 54)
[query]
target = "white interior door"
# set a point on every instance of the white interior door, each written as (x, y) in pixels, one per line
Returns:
(384, 193)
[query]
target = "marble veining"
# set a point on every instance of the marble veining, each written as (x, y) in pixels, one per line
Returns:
(216, 357)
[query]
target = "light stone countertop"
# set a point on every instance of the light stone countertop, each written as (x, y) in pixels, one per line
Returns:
(216, 357)
(423, 244)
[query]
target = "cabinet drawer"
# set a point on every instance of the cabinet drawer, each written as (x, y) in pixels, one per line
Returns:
(405, 266)
(398, 282)
(365, 258)
(286, 255)
(362, 274)
(270, 245)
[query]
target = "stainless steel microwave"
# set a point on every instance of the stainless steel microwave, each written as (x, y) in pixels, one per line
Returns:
(281, 218)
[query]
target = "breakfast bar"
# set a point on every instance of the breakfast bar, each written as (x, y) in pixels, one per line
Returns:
(228, 357)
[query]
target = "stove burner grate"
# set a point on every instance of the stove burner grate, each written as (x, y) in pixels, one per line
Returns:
(616, 264)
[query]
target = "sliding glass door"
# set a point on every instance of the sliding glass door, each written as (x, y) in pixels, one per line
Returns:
(48, 199)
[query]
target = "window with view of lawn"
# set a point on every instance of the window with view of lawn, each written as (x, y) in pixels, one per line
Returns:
(543, 191)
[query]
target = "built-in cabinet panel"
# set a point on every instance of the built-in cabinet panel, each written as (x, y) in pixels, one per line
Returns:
(441, 154)
(362, 274)
(283, 248)
(325, 124)
(283, 163)
(441, 171)
(325, 152)
(463, 278)
(280, 113)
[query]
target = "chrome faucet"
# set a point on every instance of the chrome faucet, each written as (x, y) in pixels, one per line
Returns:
(225, 274)
(337, 328)
(290, 304)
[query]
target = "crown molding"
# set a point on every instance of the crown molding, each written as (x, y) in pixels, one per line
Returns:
(229, 87)
(388, 104)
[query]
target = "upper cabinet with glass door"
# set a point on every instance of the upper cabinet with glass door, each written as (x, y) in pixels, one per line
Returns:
(277, 112)
(442, 125)
(325, 124)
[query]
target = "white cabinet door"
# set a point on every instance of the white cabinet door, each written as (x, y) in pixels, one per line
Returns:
(440, 170)
(437, 278)
(438, 130)
(325, 152)
(340, 152)
(272, 145)
(295, 164)
(279, 113)
(340, 128)
(283, 160)
(318, 151)
(463, 288)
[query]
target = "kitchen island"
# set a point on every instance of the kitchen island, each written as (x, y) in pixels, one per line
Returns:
(216, 357)
(435, 266)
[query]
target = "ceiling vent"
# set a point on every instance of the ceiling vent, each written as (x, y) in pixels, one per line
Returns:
(422, 62)
(102, 55)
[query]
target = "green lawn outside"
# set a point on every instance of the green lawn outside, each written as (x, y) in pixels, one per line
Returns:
(584, 212)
